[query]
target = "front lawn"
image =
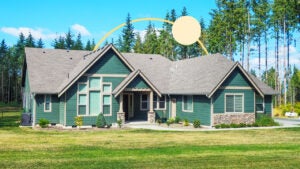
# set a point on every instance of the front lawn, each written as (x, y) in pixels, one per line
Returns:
(32, 148)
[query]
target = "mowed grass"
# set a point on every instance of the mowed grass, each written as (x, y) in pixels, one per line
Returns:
(32, 148)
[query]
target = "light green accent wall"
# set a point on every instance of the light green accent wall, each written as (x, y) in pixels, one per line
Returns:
(110, 63)
(236, 79)
(219, 100)
(138, 83)
(52, 116)
(201, 109)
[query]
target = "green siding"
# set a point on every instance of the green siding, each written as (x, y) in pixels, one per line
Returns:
(61, 109)
(236, 79)
(110, 63)
(138, 83)
(219, 100)
(268, 105)
(201, 109)
(28, 99)
(52, 116)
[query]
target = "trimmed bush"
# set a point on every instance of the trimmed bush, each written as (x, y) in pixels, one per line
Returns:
(233, 125)
(119, 122)
(217, 126)
(266, 121)
(177, 119)
(242, 125)
(78, 121)
(186, 122)
(225, 125)
(43, 123)
(100, 122)
(196, 124)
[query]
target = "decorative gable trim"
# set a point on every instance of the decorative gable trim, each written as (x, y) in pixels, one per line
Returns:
(236, 65)
(121, 87)
(88, 66)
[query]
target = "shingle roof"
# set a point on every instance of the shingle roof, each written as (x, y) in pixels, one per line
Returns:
(53, 70)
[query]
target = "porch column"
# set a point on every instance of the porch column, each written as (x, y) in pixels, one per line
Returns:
(151, 113)
(121, 114)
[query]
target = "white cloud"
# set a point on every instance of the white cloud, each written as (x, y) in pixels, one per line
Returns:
(36, 33)
(80, 29)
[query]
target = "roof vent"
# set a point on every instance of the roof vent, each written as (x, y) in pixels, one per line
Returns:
(71, 58)
(68, 75)
(44, 51)
(151, 58)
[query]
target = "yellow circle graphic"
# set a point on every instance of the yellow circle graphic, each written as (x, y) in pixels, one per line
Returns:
(186, 30)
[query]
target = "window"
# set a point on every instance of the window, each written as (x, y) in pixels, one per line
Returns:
(259, 104)
(94, 102)
(106, 99)
(144, 102)
(234, 103)
(159, 102)
(82, 104)
(187, 103)
(47, 103)
(94, 83)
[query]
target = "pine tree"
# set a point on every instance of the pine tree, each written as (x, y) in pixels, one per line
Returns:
(3, 67)
(59, 43)
(138, 46)
(69, 40)
(40, 43)
(78, 43)
(29, 42)
(127, 35)
(93, 44)
(183, 50)
(151, 43)
(88, 45)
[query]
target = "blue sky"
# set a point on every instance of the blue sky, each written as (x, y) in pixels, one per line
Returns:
(93, 18)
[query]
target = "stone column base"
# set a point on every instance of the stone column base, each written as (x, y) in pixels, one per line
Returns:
(247, 118)
(151, 117)
(121, 116)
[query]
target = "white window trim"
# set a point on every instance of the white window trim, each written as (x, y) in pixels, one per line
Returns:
(106, 94)
(50, 103)
(88, 89)
(263, 104)
(157, 103)
(233, 94)
(189, 111)
(141, 108)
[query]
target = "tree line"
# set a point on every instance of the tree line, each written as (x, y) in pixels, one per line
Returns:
(235, 27)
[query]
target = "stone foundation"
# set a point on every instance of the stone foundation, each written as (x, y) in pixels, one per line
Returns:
(151, 117)
(247, 118)
(121, 116)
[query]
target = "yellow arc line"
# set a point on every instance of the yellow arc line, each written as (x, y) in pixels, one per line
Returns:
(139, 20)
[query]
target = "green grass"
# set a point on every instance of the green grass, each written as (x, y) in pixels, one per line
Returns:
(32, 148)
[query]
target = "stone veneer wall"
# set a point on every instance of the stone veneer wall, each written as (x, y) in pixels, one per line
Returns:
(247, 118)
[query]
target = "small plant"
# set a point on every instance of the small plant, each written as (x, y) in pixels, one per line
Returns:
(44, 123)
(266, 121)
(170, 121)
(177, 119)
(249, 125)
(119, 122)
(242, 125)
(78, 121)
(100, 122)
(158, 121)
(196, 124)
(217, 126)
(186, 122)
(224, 125)
(233, 125)
(108, 126)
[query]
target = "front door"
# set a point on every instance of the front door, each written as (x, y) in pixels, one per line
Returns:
(173, 107)
(128, 106)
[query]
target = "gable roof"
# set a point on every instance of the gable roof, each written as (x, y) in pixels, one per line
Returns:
(129, 79)
(53, 71)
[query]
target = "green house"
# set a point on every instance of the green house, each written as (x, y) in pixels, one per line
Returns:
(59, 85)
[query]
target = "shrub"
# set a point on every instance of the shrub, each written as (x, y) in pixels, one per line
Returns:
(225, 125)
(249, 125)
(217, 126)
(196, 124)
(108, 125)
(119, 122)
(100, 122)
(78, 121)
(266, 121)
(254, 124)
(44, 123)
(177, 119)
(242, 125)
(233, 125)
(186, 122)
(170, 121)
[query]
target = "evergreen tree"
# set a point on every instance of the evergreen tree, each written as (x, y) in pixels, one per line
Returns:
(69, 40)
(93, 44)
(183, 49)
(59, 43)
(127, 35)
(3, 68)
(88, 45)
(151, 44)
(29, 42)
(138, 46)
(78, 43)
(40, 43)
